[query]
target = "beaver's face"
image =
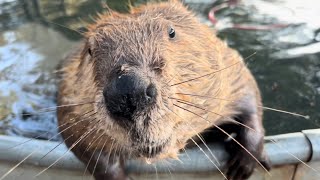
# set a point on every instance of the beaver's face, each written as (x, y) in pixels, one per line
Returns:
(130, 60)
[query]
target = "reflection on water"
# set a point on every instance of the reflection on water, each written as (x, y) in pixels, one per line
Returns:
(287, 64)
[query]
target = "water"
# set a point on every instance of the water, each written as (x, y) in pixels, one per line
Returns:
(286, 64)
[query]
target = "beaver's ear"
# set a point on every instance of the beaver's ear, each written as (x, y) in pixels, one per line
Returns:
(87, 52)
(89, 46)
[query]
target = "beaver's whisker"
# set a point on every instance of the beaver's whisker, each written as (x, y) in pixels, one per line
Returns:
(95, 166)
(170, 80)
(216, 159)
(167, 164)
(82, 119)
(197, 106)
(230, 138)
(208, 157)
(18, 164)
(79, 32)
(205, 75)
(254, 53)
(216, 71)
(54, 108)
(94, 135)
(167, 83)
(108, 158)
(69, 105)
(286, 112)
(91, 143)
(28, 157)
(155, 167)
(31, 139)
(7, 173)
(263, 107)
(200, 147)
(187, 110)
(273, 141)
(202, 140)
(82, 137)
(115, 153)
(56, 146)
(75, 124)
(205, 144)
(93, 153)
(185, 152)
(168, 168)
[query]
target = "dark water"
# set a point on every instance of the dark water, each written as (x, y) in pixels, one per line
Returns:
(286, 64)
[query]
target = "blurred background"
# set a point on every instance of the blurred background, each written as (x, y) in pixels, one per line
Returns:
(36, 34)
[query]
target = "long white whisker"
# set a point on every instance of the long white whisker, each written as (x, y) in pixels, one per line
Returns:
(95, 149)
(229, 137)
(14, 167)
(95, 166)
(263, 107)
(31, 139)
(208, 157)
(73, 145)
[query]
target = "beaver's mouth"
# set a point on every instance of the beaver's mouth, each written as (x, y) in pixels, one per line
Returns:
(151, 151)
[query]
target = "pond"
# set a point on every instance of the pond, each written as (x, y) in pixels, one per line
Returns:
(35, 35)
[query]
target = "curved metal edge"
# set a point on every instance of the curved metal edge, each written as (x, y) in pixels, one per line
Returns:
(313, 136)
(281, 149)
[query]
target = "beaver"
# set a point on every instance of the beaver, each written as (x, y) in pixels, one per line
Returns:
(146, 77)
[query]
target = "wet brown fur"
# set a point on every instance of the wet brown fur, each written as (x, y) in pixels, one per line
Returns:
(140, 39)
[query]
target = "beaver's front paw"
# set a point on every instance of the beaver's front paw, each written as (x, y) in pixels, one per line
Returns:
(241, 165)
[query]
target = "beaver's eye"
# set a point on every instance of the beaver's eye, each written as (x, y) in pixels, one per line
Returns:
(172, 33)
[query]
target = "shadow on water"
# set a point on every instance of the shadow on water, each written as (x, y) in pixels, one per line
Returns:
(286, 66)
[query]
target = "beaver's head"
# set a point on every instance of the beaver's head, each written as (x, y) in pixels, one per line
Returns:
(136, 58)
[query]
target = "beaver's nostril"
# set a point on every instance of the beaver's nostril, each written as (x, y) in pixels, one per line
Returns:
(151, 92)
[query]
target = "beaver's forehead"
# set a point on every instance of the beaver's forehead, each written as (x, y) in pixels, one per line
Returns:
(132, 25)
(131, 35)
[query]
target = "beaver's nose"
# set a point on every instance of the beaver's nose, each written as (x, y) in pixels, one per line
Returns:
(127, 94)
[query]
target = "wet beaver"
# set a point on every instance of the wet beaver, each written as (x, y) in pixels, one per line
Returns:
(146, 77)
